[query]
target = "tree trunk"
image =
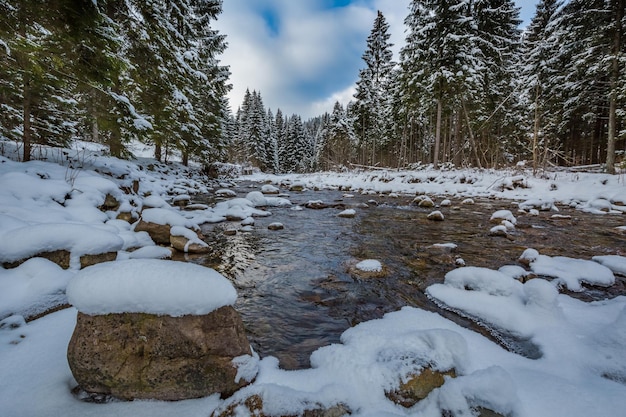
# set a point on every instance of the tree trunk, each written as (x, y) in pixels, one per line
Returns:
(95, 132)
(26, 108)
(610, 148)
(114, 140)
(437, 135)
(158, 152)
(471, 135)
(457, 139)
(536, 129)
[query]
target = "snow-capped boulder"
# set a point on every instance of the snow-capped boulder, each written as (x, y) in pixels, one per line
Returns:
(157, 222)
(423, 201)
(67, 245)
(568, 272)
(151, 329)
(368, 268)
(316, 204)
(347, 213)
(297, 187)
(275, 226)
(501, 215)
(269, 189)
(226, 193)
(187, 241)
(435, 216)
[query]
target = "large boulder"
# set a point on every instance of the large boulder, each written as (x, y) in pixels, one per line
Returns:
(154, 329)
(148, 356)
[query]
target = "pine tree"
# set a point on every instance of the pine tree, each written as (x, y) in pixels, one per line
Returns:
(280, 128)
(539, 52)
(36, 103)
(297, 148)
(497, 41)
(272, 162)
(592, 57)
(340, 140)
(440, 62)
(373, 102)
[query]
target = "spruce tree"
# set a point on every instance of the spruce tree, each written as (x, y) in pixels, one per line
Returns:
(340, 141)
(538, 67)
(592, 58)
(373, 101)
(497, 42)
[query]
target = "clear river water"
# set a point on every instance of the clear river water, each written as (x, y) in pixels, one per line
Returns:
(297, 290)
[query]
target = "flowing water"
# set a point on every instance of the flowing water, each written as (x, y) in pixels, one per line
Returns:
(297, 292)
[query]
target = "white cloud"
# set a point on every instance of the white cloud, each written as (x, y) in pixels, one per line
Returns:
(326, 105)
(314, 53)
(313, 57)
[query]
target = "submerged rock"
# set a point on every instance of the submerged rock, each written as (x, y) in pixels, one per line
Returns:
(316, 205)
(147, 356)
(436, 216)
(348, 214)
(275, 226)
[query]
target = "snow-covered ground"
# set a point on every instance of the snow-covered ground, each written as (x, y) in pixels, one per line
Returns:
(58, 204)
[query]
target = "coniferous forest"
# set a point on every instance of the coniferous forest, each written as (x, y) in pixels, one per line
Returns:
(469, 87)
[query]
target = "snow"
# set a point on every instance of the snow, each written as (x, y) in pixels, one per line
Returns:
(615, 263)
(165, 217)
(568, 271)
(505, 215)
(260, 200)
(32, 288)
(190, 235)
(24, 242)
(369, 265)
(581, 366)
(149, 286)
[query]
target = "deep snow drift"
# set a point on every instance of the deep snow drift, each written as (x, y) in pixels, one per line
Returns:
(48, 206)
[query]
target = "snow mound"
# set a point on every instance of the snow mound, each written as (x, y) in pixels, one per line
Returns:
(503, 215)
(481, 279)
(615, 263)
(149, 286)
(484, 294)
(33, 287)
(258, 199)
(165, 216)
(372, 359)
(568, 271)
(78, 239)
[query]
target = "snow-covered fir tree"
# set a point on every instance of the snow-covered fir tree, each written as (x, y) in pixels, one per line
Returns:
(537, 72)
(373, 102)
(590, 82)
(114, 70)
(340, 140)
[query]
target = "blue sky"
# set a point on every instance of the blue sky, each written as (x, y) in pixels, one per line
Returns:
(303, 55)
